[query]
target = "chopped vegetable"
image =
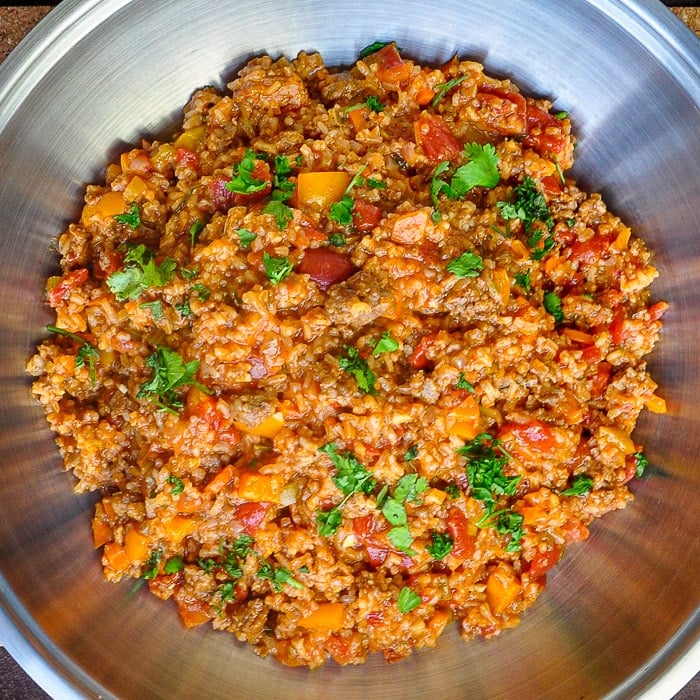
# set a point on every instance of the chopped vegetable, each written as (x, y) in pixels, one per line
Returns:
(441, 545)
(245, 237)
(276, 269)
(466, 265)
(242, 179)
(580, 486)
(355, 365)
(641, 463)
(282, 213)
(408, 600)
(140, 273)
(132, 218)
(385, 344)
(86, 351)
(552, 304)
(444, 88)
(170, 372)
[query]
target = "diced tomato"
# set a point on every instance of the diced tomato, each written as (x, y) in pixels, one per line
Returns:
(366, 216)
(463, 544)
(618, 330)
(187, 158)
(221, 196)
(587, 253)
(419, 358)
(532, 435)
(598, 382)
(503, 112)
(551, 184)
(251, 515)
(656, 311)
(70, 281)
(204, 407)
(391, 68)
(326, 267)
(541, 136)
(375, 618)
(542, 562)
(434, 136)
(366, 530)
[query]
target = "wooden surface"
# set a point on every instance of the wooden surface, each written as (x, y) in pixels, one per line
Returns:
(15, 22)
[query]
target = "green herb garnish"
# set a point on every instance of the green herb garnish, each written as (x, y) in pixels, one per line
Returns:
(140, 272)
(170, 372)
(173, 565)
(466, 265)
(282, 213)
(444, 88)
(441, 545)
(411, 453)
(642, 463)
(87, 352)
(552, 304)
(245, 237)
(178, 485)
(153, 564)
(196, 228)
(276, 269)
(132, 218)
(372, 48)
(462, 383)
(385, 344)
(580, 486)
(242, 180)
(408, 600)
(359, 368)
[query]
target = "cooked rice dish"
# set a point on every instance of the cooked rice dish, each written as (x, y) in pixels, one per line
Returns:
(349, 359)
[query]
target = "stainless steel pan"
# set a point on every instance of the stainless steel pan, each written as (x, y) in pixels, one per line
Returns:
(621, 615)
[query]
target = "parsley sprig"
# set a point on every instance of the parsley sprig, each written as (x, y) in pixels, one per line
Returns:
(408, 488)
(359, 368)
(444, 88)
(87, 352)
(170, 372)
(486, 459)
(341, 211)
(385, 344)
(242, 179)
(466, 265)
(139, 273)
(276, 269)
(580, 486)
(351, 477)
(131, 218)
(530, 206)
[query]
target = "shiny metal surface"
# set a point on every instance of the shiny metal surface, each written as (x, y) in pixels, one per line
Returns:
(621, 616)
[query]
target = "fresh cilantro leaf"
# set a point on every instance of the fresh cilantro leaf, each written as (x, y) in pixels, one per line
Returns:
(284, 576)
(329, 521)
(411, 453)
(394, 512)
(372, 48)
(580, 486)
(140, 273)
(282, 213)
(373, 103)
(444, 88)
(232, 566)
(132, 218)
(530, 206)
(178, 485)
(242, 545)
(402, 539)
(385, 344)
(466, 265)
(375, 184)
(480, 171)
(359, 368)
(437, 185)
(409, 487)
(341, 211)
(507, 523)
(552, 304)
(337, 239)
(207, 565)
(188, 273)
(86, 351)
(202, 291)
(452, 490)
(283, 186)
(408, 600)
(196, 228)
(242, 180)
(351, 476)
(462, 383)
(170, 372)
(228, 591)
(245, 237)
(173, 565)
(561, 115)
(523, 279)
(155, 307)
(184, 309)
(153, 564)
(441, 545)
(265, 571)
(276, 269)
(382, 496)
(642, 463)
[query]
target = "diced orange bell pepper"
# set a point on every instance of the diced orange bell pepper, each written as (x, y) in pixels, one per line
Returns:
(136, 189)
(108, 205)
(220, 480)
(321, 188)
(136, 546)
(358, 119)
(254, 486)
(579, 336)
(464, 420)
(622, 239)
(191, 139)
(194, 614)
(656, 404)
(268, 428)
(101, 532)
(328, 617)
(502, 589)
(114, 557)
(177, 528)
